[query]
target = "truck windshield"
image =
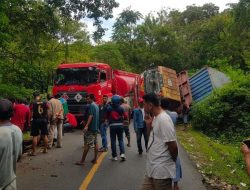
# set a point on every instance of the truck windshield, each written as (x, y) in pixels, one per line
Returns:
(76, 76)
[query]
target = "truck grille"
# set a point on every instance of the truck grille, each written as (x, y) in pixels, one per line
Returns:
(76, 107)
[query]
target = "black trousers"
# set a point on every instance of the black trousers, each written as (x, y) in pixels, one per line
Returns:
(139, 133)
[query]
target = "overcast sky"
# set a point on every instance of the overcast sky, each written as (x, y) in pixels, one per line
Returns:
(147, 6)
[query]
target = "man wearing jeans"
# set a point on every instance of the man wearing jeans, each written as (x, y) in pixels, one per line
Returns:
(115, 116)
(140, 126)
(162, 147)
(103, 123)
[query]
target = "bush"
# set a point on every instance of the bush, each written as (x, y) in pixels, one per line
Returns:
(225, 114)
(10, 91)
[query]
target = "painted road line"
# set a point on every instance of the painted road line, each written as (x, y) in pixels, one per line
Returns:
(92, 172)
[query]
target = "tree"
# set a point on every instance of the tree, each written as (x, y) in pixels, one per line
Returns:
(241, 35)
(110, 54)
(196, 13)
(124, 33)
(124, 27)
(77, 9)
(156, 43)
(71, 31)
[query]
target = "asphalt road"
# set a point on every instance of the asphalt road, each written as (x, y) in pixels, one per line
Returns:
(56, 170)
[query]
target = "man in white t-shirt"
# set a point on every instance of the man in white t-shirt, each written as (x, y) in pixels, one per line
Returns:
(10, 146)
(162, 147)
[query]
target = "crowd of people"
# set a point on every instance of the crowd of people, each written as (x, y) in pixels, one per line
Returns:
(154, 119)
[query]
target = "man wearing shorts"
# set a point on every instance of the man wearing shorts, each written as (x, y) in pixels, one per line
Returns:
(39, 113)
(90, 130)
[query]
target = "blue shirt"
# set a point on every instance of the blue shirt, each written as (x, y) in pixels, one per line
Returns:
(138, 119)
(173, 115)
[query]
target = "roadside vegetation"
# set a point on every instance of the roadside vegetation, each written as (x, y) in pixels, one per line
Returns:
(220, 123)
(225, 114)
(221, 165)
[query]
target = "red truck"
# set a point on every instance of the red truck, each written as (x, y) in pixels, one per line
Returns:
(74, 81)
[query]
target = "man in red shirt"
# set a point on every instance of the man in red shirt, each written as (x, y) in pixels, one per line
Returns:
(21, 115)
(70, 122)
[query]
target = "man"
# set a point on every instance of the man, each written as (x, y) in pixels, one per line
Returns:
(103, 123)
(39, 113)
(165, 104)
(21, 116)
(126, 122)
(185, 111)
(56, 120)
(116, 116)
(70, 122)
(140, 126)
(246, 153)
(64, 104)
(10, 146)
(162, 147)
(90, 130)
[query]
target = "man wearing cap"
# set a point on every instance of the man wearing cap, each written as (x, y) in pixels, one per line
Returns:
(10, 146)
(115, 117)
(140, 126)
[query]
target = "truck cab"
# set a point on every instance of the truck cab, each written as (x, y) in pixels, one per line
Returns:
(74, 81)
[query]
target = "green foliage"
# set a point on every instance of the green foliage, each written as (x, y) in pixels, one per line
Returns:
(226, 113)
(109, 53)
(77, 9)
(197, 13)
(10, 91)
(220, 162)
(36, 36)
(124, 27)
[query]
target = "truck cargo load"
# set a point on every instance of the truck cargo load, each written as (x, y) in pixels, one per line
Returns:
(205, 81)
(163, 81)
(184, 86)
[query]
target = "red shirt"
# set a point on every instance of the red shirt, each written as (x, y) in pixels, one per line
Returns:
(72, 119)
(21, 116)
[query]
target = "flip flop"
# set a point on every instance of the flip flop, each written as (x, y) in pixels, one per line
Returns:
(79, 163)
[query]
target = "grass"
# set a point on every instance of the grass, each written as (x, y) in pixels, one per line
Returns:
(216, 161)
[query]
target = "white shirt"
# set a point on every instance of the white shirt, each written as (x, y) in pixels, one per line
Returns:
(160, 164)
(10, 150)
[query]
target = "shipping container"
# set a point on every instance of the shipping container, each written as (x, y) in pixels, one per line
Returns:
(184, 86)
(205, 81)
(162, 80)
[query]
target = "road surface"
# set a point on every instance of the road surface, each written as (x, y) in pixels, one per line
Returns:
(56, 170)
